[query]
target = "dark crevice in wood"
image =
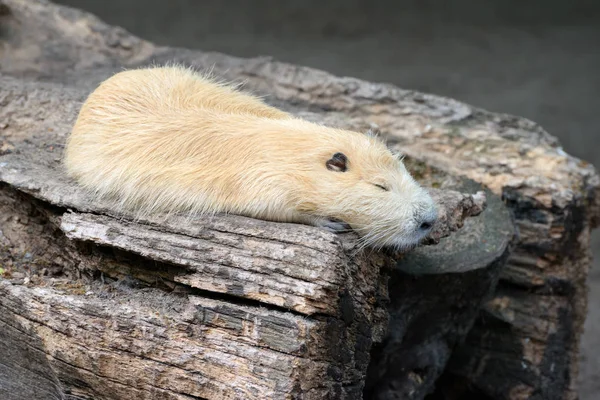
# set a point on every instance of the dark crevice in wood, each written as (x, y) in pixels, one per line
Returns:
(141, 264)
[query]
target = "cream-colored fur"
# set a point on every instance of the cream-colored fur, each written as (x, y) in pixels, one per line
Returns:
(166, 139)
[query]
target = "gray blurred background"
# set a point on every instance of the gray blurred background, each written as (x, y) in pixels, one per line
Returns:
(538, 59)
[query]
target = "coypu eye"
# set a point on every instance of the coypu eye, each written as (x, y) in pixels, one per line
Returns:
(382, 187)
(337, 163)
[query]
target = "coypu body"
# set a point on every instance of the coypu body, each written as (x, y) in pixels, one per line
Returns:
(167, 139)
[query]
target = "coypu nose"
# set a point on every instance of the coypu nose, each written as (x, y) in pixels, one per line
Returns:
(427, 221)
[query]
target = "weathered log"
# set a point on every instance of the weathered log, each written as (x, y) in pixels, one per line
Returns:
(524, 344)
(286, 265)
(252, 263)
(238, 289)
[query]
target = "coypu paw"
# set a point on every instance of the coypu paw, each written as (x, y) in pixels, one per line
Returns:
(332, 225)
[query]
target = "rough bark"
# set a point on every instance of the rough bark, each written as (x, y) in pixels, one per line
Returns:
(288, 265)
(257, 272)
(432, 309)
(524, 343)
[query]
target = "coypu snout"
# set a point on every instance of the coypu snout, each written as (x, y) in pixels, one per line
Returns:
(426, 219)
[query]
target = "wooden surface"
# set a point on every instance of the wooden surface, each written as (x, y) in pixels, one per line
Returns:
(524, 343)
(254, 274)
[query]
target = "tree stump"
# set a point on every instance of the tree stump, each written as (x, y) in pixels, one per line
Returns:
(95, 305)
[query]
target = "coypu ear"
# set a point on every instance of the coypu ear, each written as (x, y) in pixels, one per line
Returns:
(337, 163)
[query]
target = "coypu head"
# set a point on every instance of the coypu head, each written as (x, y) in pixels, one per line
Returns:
(362, 183)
